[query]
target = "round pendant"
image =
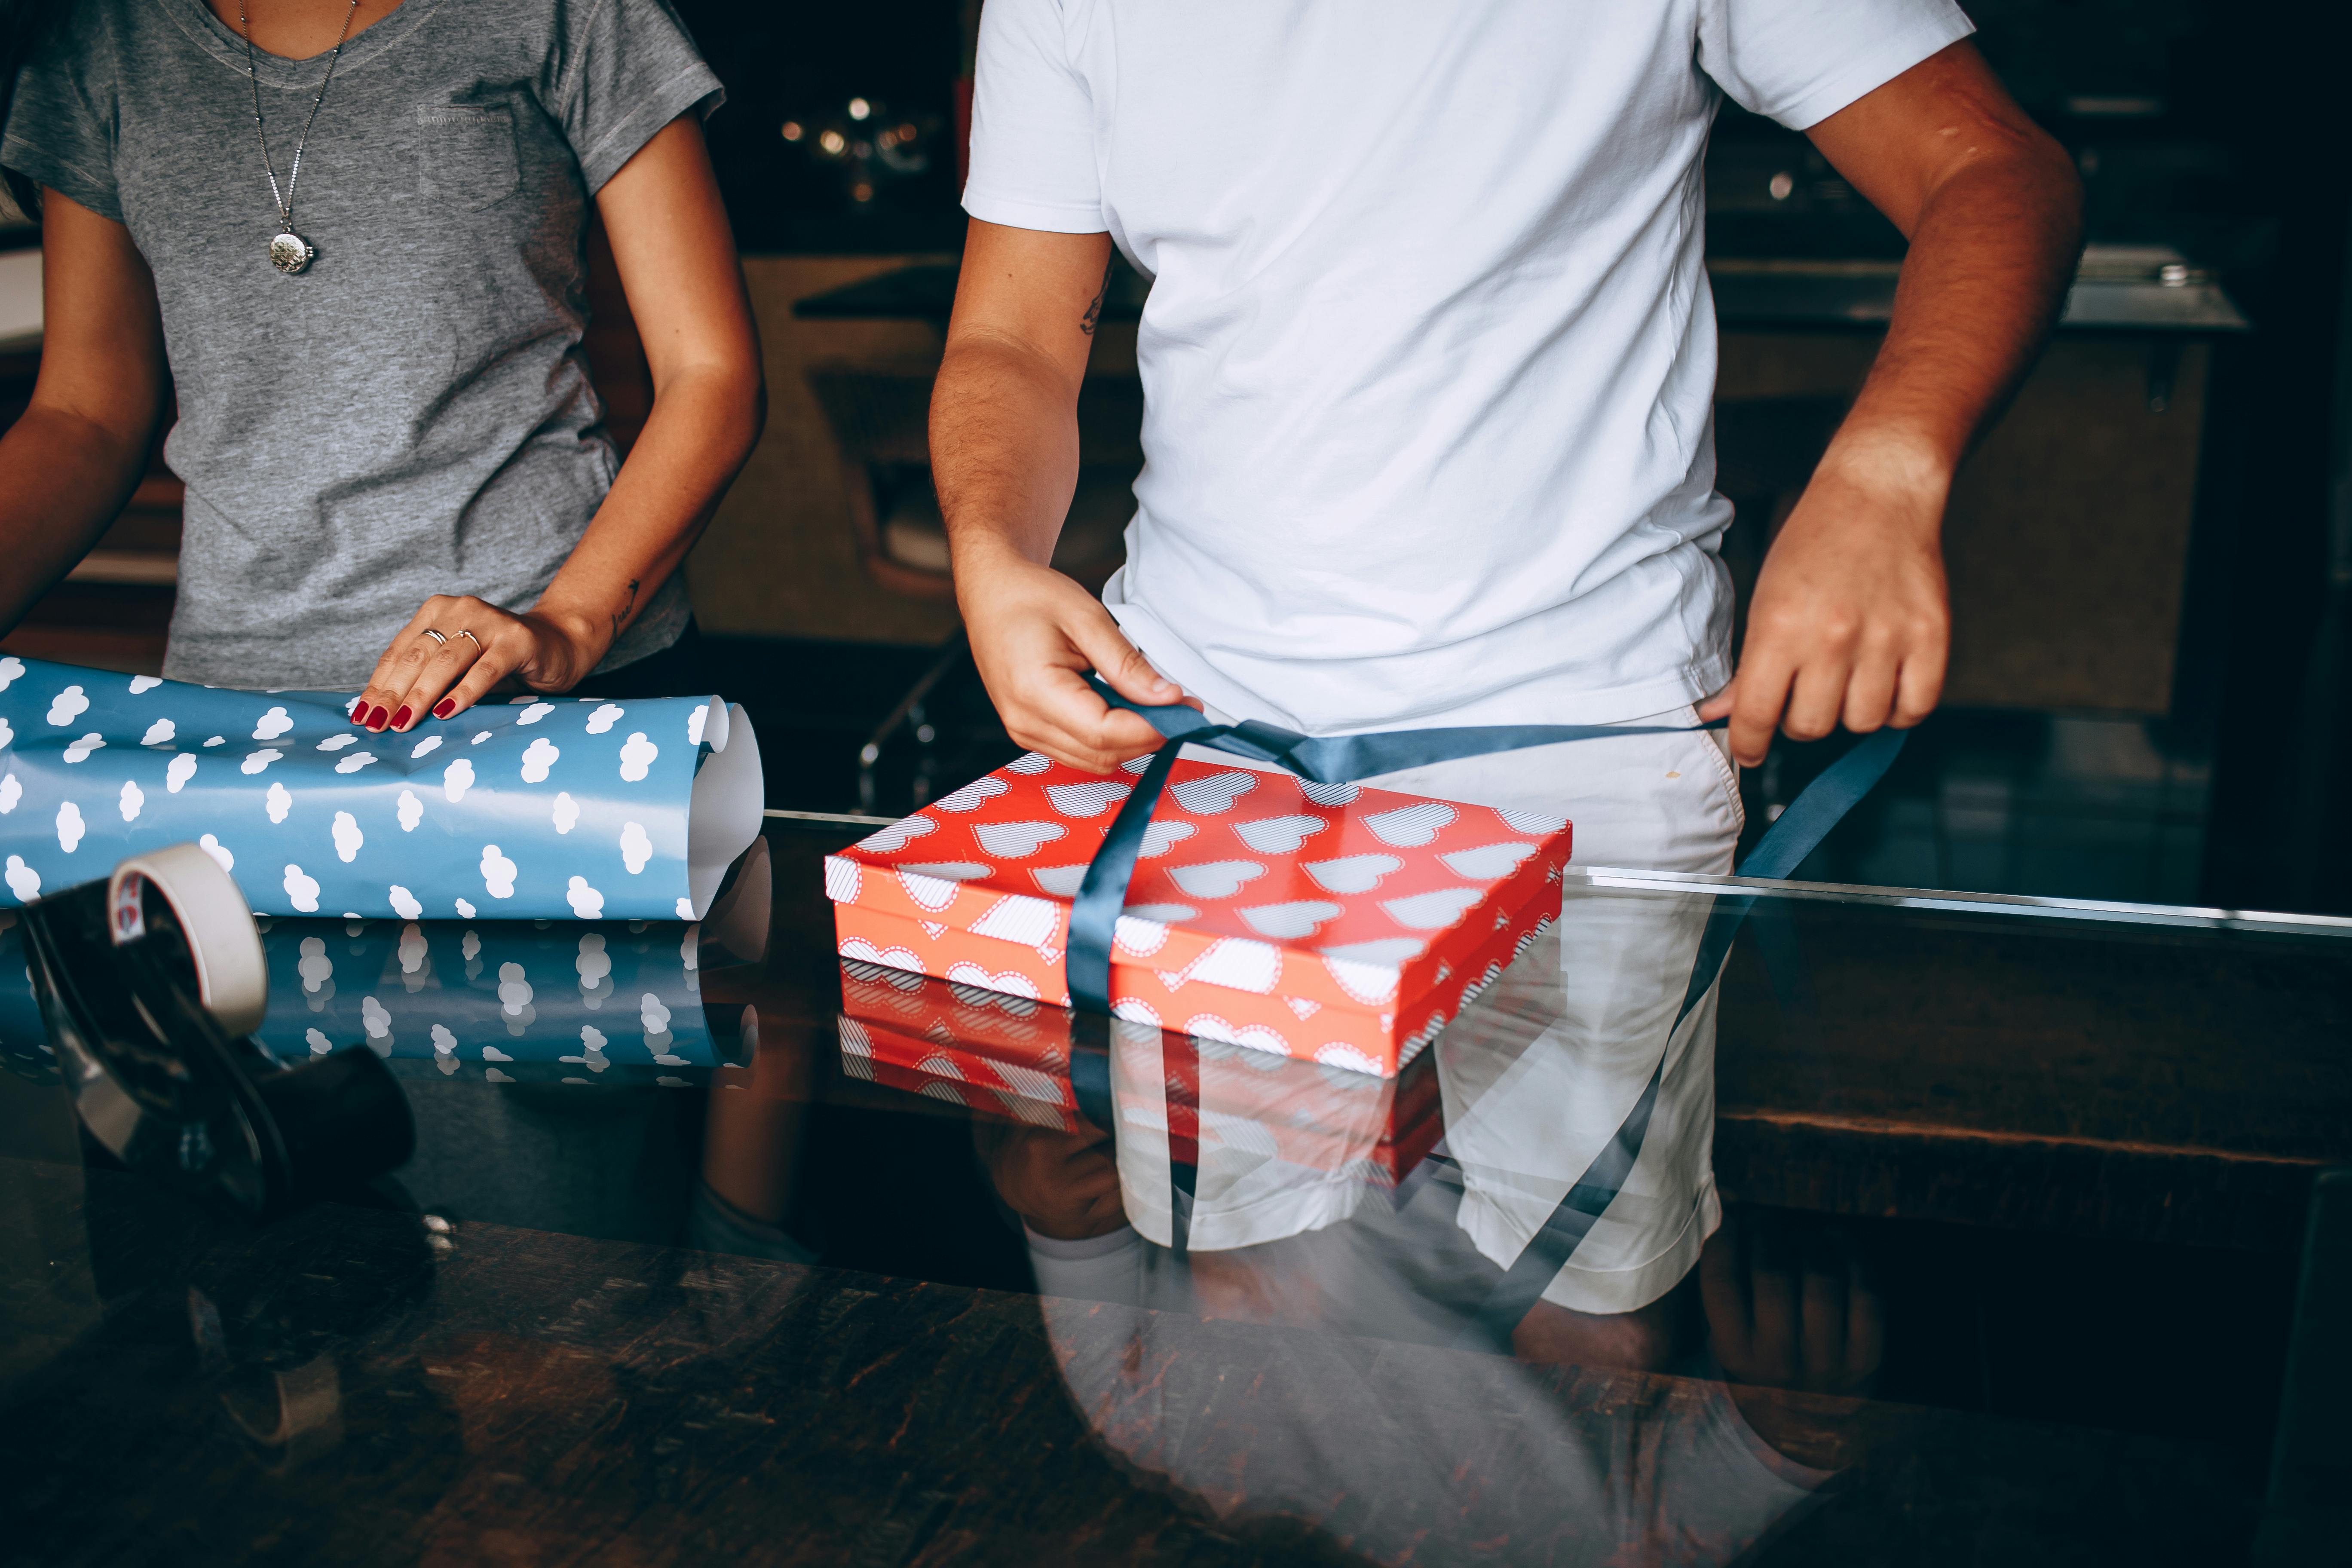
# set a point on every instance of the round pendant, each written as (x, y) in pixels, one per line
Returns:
(289, 252)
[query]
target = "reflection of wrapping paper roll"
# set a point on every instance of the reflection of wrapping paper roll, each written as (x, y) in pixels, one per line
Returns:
(472, 996)
(24, 1039)
(559, 808)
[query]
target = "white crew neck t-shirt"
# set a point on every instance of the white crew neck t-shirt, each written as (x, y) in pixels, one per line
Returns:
(1429, 355)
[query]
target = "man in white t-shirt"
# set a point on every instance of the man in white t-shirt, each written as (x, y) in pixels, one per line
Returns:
(1428, 364)
(1428, 367)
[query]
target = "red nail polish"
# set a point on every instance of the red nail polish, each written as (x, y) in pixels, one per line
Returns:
(443, 709)
(399, 717)
(375, 718)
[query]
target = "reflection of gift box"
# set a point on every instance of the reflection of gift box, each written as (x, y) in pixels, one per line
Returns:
(1327, 921)
(1006, 1056)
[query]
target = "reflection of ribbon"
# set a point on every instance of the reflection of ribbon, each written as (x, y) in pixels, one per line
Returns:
(1344, 759)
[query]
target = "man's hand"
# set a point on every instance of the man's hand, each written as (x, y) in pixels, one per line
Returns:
(1850, 619)
(1062, 1184)
(1035, 635)
(1004, 455)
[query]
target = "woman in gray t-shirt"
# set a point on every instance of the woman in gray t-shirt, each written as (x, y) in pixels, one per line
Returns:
(382, 401)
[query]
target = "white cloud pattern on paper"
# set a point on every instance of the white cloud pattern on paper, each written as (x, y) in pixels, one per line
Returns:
(279, 800)
(347, 838)
(636, 848)
(355, 761)
(337, 742)
(23, 880)
(140, 684)
(426, 747)
(256, 760)
(637, 755)
(272, 724)
(586, 901)
(302, 891)
(79, 750)
(411, 811)
(405, 905)
(602, 719)
(456, 779)
(175, 776)
(535, 712)
(159, 733)
(71, 826)
(132, 798)
(218, 851)
(11, 792)
(10, 669)
(536, 758)
(567, 812)
(69, 705)
(497, 872)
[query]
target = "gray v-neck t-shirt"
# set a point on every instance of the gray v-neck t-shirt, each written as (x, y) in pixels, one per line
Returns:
(412, 415)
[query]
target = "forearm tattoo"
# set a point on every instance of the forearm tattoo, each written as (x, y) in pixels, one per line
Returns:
(1093, 312)
(621, 616)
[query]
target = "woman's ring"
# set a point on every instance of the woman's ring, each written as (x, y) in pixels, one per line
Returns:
(437, 637)
(472, 638)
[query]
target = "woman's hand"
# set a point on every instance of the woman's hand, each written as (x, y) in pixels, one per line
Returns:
(458, 650)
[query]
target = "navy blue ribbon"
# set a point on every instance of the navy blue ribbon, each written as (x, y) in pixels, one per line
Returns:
(1345, 759)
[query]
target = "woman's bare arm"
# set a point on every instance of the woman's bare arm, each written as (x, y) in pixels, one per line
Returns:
(677, 265)
(69, 463)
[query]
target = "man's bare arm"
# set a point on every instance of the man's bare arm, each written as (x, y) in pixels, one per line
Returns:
(1851, 618)
(1004, 455)
(68, 464)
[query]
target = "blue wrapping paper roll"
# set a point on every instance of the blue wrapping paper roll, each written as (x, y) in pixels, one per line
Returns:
(478, 997)
(570, 808)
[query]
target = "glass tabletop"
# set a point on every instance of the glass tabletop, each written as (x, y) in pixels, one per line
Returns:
(1936, 1226)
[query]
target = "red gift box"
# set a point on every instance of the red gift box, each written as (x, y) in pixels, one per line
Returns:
(1008, 1058)
(1329, 921)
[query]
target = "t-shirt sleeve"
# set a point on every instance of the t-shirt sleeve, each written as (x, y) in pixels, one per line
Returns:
(624, 68)
(60, 131)
(1801, 61)
(1033, 124)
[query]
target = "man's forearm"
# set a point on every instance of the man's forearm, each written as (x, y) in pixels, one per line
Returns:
(63, 478)
(1991, 253)
(1005, 450)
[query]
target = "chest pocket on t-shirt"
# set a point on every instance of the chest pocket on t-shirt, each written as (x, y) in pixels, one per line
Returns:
(466, 154)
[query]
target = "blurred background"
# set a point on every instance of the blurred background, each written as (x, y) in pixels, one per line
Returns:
(2151, 555)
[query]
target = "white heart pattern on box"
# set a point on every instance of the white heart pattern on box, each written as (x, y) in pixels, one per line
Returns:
(1433, 911)
(1410, 826)
(1171, 913)
(1212, 793)
(1063, 880)
(1278, 835)
(1328, 794)
(1215, 878)
(1488, 861)
(1532, 821)
(1289, 921)
(1089, 799)
(1339, 1053)
(949, 871)
(1029, 762)
(974, 796)
(1233, 962)
(842, 879)
(1016, 917)
(1141, 937)
(930, 893)
(1352, 873)
(897, 836)
(1161, 837)
(1016, 840)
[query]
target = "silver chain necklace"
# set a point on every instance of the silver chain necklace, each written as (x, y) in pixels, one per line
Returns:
(288, 251)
